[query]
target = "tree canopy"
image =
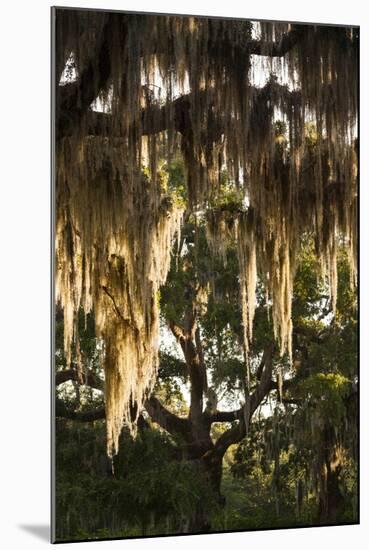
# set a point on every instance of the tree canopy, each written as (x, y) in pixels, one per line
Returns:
(265, 169)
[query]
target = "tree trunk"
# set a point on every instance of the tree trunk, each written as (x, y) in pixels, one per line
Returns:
(209, 466)
(331, 500)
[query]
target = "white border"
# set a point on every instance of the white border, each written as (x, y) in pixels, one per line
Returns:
(25, 258)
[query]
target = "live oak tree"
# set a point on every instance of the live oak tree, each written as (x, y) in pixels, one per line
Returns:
(169, 86)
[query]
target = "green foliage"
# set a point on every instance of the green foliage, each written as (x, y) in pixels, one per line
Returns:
(328, 392)
(228, 196)
(172, 179)
(151, 492)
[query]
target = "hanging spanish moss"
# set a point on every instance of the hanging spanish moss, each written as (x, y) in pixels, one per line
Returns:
(148, 86)
(113, 244)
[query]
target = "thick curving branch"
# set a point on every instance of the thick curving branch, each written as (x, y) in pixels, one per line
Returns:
(167, 420)
(154, 118)
(74, 99)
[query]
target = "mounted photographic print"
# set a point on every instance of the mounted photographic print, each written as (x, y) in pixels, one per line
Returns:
(205, 190)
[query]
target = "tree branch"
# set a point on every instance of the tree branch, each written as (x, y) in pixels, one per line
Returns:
(87, 378)
(61, 411)
(278, 49)
(226, 416)
(74, 99)
(237, 432)
(193, 355)
(167, 420)
(155, 118)
(159, 414)
(178, 331)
